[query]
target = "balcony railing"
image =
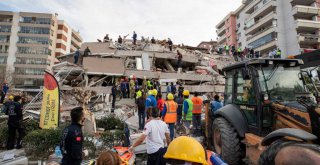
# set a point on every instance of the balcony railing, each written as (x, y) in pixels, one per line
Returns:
(309, 37)
(254, 35)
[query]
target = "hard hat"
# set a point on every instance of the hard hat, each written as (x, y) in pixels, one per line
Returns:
(154, 92)
(10, 97)
(186, 93)
(131, 76)
(150, 92)
(187, 149)
(170, 96)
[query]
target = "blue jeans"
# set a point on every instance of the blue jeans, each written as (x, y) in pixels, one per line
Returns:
(142, 116)
(196, 121)
(171, 129)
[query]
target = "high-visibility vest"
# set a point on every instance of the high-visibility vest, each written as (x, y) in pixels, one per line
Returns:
(279, 52)
(171, 113)
(189, 114)
(149, 83)
(197, 105)
(227, 47)
(139, 94)
(239, 50)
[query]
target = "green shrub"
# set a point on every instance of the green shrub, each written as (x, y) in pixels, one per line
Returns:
(39, 144)
(111, 139)
(3, 134)
(110, 123)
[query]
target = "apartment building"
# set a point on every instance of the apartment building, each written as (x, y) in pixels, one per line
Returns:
(28, 44)
(68, 40)
(226, 30)
(290, 25)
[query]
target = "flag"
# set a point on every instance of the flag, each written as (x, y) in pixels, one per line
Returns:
(50, 109)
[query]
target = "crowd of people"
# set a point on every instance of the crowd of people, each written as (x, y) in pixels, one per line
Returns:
(247, 53)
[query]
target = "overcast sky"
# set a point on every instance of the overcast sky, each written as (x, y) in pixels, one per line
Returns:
(184, 21)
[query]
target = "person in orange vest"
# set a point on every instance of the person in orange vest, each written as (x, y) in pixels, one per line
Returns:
(169, 113)
(196, 114)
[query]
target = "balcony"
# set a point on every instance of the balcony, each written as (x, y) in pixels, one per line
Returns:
(250, 7)
(302, 2)
(221, 24)
(265, 21)
(221, 31)
(261, 33)
(267, 8)
(305, 12)
(266, 47)
(307, 25)
(222, 39)
(306, 39)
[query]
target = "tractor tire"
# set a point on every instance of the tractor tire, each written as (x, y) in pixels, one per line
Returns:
(226, 142)
(269, 155)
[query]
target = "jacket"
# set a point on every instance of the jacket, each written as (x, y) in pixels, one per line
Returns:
(197, 105)
(14, 111)
(170, 115)
(141, 103)
(187, 109)
(71, 145)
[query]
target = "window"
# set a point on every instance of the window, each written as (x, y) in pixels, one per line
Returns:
(5, 28)
(35, 20)
(34, 40)
(263, 40)
(228, 89)
(29, 71)
(4, 38)
(33, 61)
(3, 60)
(29, 50)
(245, 97)
(4, 48)
(34, 30)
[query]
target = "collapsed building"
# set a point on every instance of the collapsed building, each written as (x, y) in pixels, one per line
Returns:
(88, 83)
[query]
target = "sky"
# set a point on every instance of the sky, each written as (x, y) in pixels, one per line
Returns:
(184, 21)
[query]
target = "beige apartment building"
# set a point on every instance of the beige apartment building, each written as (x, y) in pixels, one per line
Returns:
(28, 45)
(290, 25)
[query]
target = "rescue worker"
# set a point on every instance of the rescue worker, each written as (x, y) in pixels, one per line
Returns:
(127, 87)
(123, 88)
(278, 53)
(72, 139)
(196, 114)
(169, 113)
(144, 84)
(132, 87)
(150, 86)
(239, 51)
(187, 108)
(160, 103)
(216, 104)
(151, 100)
(7, 103)
(14, 111)
(76, 56)
(155, 131)
(186, 150)
(141, 100)
(227, 49)
(179, 101)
